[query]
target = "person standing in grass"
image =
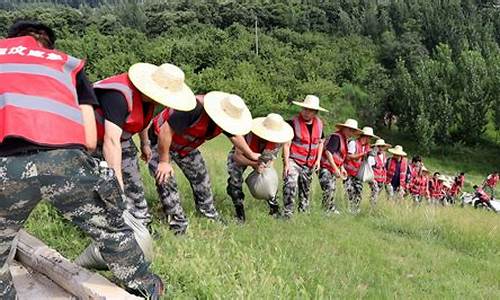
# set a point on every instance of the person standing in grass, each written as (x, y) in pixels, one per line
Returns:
(176, 136)
(332, 161)
(398, 173)
(380, 173)
(458, 184)
(436, 188)
(491, 182)
(47, 126)
(357, 150)
(301, 156)
(127, 103)
(266, 138)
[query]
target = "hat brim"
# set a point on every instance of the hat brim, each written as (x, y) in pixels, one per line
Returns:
(236, 126)
(370, 135)
(140, 75)
(357, 131)
(302, 104)
(283, 135)
(384, 145)
(395, 152)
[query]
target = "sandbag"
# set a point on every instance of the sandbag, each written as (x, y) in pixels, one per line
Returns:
(263, 186)
(365, 172)
(91, 257)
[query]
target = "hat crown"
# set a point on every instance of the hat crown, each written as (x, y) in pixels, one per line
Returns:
(273, 122)
(169, 76)
(312, 100)
(380, 142)
(367, 130)
(351, 123)
(398, 148)
(233, 105)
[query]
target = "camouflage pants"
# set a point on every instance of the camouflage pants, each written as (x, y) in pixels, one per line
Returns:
(298, 180)
(328, 182)
(235, 182)
(376, 188)
(394, 194)
(354, 189)
(194, 168)
(83, 193)
(135, 201)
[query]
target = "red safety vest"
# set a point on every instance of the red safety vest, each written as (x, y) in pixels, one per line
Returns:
(436, 188)
(352, 165)
(304, 147)
(137, 118)
(379, 171)
(492, 180)
(192, 137)
(457, 186)
(424, 186)
(258, 145)
(402, 174)
(483, 196)
(38, 98)
(338, 157)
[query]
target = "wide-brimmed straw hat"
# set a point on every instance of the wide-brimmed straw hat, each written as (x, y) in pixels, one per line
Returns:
(368, 131)
(229, 112)
(311, 102)
(272, 128)
(381, 143)
(351, 124)
(424, 169)
(163, 84)
(398, 150)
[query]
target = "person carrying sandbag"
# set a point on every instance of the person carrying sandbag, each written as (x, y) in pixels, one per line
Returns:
(266, 137)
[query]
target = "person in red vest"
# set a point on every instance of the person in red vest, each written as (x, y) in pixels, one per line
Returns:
(266, 138)
(424, 185)
(436, 188)
(398, 173)
(332, 161)
(357, 150)
(47, 126)
(482, 198)
(458, 184)
(127, 104)
(176, 136)
(379, 172)
(301, 156)
(491, 182)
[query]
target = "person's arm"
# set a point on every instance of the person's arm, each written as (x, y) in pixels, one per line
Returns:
(89, 127)
(241, 145)
(112, 148)
(286, 156)
(329, 156)
(145, 144)
(320, 152)
(165, 169)
(242, 160)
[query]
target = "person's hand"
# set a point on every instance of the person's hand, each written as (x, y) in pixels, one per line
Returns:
(316, 166)
(146, 153)
(337, 173)
(164, 171)
(254, 156)
(343, 173)
(286, 169)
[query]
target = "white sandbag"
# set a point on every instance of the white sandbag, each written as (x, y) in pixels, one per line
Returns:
(91, 256)
(365, 172)
(496, 204)
(263, 186)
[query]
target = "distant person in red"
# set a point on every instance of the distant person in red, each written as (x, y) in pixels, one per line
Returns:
(458, 184)
(483, 198)
(436, 188)
(491, 182)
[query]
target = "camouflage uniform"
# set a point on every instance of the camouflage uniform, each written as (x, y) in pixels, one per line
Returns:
(376, 188)
(135, 201)
(194, 168)
(85, 194)
(328, 181)
(354, 189)
(235, 180)
(298, 180)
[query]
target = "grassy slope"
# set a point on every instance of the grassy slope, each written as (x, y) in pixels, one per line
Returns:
(397, 251)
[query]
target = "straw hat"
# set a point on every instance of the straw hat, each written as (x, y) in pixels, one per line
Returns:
(229, 112)
(351, 124)
(381, 143)
(311, 102)
(398, 150)
(272, 128)
(368, 131)
(163, 84)
(424, 169)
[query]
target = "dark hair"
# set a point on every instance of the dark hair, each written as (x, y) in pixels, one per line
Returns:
(416, 159)
(437, 173)
(23, 28)
(475, 187)
(462, 173)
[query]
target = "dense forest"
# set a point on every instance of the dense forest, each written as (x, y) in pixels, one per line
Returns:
(433, 64)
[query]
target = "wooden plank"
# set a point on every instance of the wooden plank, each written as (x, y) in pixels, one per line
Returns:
(74, 279)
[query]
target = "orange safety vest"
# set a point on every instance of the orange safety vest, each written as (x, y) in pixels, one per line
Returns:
(305, 146)
(402, 174)
(38, 98)
(352, 165)
(193, 137)
(338, 157)
(137, 118)
(379, 171)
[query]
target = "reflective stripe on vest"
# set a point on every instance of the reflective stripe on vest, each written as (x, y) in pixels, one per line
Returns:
(379, 171)
(304, 147)
(125, 90)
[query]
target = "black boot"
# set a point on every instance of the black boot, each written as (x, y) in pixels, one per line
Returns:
(240, 213)
(274, 210)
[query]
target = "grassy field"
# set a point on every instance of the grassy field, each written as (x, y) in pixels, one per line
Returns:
(396, 251)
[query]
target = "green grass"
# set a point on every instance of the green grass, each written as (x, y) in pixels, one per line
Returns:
(397, 251)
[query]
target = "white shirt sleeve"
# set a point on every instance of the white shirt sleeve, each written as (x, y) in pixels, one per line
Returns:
(351, 147)
(371, 160)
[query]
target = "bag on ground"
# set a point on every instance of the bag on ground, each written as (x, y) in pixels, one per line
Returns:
(365, 172)
(263, 186)
(91, 257)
